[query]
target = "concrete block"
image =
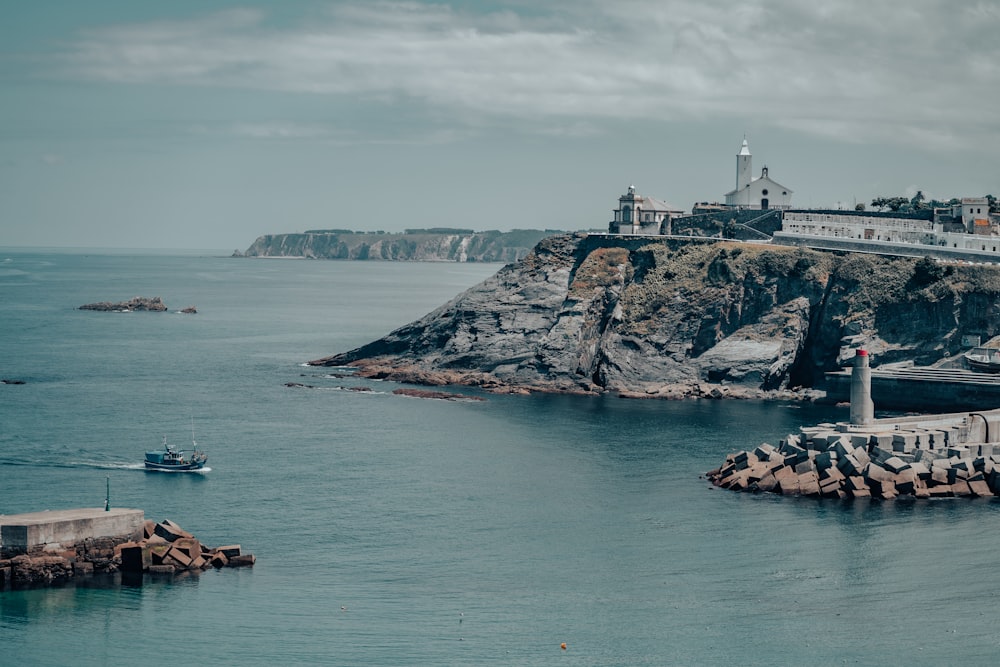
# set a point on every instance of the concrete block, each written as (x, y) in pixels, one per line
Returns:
(833, 474)
(849, 465)
(876, 473)
(148, 529)
(860, 493)
(789, 485)
(170, 531)
(855, 483)
(135, 557)
(961, 488)
(939, 490)
(199, 563)
(230, 550)
(245, 560)
(158, 552)
(895, 464)
(959, 452)
(921, 470)
(190, 545)
(859, 440)
(939, 475)
(842, 449)
(980, 488)
(805, 467)
(881, 440)
(767, 483)
(823, 460)
(161, 569)
(763, 451)
(219, 560)
(180, 556)
(809, 483)
(862, 457)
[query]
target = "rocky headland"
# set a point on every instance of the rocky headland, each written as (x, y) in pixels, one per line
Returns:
(419, 245)
(665, 318)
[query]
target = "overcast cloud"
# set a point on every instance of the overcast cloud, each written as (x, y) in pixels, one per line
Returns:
(908, 79)
(889, 71)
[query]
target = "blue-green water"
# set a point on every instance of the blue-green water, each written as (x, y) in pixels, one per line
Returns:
(400, 531)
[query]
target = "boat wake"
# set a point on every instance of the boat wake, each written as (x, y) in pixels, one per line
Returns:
(97, 465)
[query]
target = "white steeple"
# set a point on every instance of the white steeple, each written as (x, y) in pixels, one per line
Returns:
(744, 167)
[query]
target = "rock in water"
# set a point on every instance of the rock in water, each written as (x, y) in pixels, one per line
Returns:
(135, 303)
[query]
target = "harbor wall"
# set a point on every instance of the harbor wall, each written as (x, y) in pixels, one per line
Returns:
(22, 533)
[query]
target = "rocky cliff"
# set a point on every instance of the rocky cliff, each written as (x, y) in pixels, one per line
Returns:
(414, 245)
(645, 317)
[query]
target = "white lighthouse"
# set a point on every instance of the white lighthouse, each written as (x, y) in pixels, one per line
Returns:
(744, 166)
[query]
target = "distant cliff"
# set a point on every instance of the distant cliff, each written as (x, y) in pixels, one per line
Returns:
(667, 318)
(429, 245)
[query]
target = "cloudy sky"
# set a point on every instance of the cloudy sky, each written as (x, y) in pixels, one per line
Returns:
(204, 124)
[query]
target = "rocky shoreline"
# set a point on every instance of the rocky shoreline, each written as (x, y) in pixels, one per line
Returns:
(666, 318)
(163, 548)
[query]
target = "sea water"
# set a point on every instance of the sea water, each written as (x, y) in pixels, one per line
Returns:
(399, 531)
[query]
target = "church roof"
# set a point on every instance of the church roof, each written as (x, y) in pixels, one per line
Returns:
(762, 180)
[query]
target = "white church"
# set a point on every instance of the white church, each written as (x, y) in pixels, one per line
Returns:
(756, 193)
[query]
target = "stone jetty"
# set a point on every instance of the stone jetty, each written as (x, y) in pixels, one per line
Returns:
(50, 548)
(927, 456)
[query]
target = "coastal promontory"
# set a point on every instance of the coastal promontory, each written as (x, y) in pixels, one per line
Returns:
(671, 318)
(437, 244)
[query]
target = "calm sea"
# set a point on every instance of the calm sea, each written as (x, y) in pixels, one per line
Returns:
(401, 531)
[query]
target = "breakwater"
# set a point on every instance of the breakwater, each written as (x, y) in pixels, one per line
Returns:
(931, 458)
(50, 548)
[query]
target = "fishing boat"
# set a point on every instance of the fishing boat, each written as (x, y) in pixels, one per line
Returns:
(169, 458)
(984, 359)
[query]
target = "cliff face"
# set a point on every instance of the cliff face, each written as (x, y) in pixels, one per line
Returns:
(491, 246)
(663, 318)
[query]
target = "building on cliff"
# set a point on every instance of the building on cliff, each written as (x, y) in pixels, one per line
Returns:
(760, 193)
(638, 214)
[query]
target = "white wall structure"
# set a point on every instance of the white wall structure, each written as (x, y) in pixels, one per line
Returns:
(756, 193)
(637, 214)
(976, 214)
(862, 229)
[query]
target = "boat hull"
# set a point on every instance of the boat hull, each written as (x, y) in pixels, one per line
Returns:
(182, 467)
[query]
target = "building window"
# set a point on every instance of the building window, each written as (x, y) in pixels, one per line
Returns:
(764, 192)
(626, 214)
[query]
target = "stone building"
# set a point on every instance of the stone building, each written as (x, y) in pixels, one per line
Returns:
(756, 193)
(638, 214)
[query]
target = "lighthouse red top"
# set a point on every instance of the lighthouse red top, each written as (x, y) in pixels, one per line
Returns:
(862, 352)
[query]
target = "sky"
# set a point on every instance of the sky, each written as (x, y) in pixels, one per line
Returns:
(205, 124)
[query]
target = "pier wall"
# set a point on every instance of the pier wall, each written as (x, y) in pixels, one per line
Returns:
(24, 533)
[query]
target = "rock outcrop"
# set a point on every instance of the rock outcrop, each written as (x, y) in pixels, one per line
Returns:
(135, 303)
(669, 318)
